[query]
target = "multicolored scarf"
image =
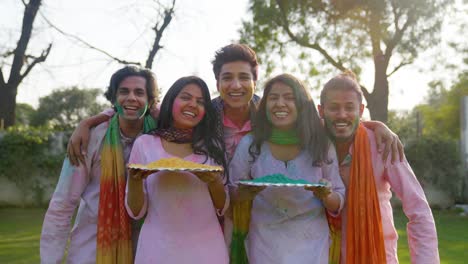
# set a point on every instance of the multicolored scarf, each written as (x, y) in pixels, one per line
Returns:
(114, 243)
(364, 234)
(176, 135)
(282, 137)
(241, 221)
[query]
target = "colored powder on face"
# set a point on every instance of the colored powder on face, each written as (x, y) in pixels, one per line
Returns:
(141, 112)
(176, 107)
(119, 109)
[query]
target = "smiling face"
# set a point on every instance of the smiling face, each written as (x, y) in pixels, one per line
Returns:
(236, 84)
(132, 98)
(188, 108)
(342, 111)
(281, 106)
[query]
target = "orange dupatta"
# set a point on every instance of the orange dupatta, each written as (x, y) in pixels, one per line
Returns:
(364, 234)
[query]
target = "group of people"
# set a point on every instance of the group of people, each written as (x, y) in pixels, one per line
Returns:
(207, 217)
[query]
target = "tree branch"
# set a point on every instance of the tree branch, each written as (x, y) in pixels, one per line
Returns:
(30, 12)
(8, 53)
(398, 35)
(403, 63)
(168, 14)
(87, 43)
(37, 60)
(365, 91)
(305, 43)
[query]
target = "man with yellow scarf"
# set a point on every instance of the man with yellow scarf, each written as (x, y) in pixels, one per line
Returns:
(366, 226)
(102, 231)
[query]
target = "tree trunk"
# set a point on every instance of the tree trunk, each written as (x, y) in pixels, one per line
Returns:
(8, 89)
(7, 105)
(377, 101)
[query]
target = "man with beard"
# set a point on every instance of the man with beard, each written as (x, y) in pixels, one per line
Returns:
(366, 225)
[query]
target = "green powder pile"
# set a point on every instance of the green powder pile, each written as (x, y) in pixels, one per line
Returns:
(277, 178)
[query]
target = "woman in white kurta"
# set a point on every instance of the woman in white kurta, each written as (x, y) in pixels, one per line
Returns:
(288, 224)
(181, 224)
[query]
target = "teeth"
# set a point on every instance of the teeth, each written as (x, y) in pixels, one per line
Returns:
(131, 108)
(188, 113)
(281, 114)
(340, 125)
(235, 94)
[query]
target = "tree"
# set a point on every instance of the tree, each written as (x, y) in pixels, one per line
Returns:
(346, 33)
(164, 16)
(63, 109)
(441, 113)
(21, 66)
(24, 114)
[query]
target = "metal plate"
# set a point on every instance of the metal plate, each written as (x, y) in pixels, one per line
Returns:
(155, 169)
(252, 183)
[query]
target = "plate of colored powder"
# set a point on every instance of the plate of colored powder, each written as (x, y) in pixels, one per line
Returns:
(279, 180)
(174, 164)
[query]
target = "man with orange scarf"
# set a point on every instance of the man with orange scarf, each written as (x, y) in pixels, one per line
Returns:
(366, 226)
(102, 231)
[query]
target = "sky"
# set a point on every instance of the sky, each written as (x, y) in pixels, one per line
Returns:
(122, 28)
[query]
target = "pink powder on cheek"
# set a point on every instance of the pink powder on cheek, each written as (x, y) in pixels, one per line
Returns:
(201, 114)
(176, 107)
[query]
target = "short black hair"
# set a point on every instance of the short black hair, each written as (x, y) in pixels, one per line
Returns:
(345, 81)
(232, 53)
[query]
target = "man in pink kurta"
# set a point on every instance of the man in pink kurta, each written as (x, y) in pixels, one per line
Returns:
(77, 186)
(341, 107)
(132, 90)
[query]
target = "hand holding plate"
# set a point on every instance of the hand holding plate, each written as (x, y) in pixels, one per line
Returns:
(139, 174)
(321, 192)
(208, 177)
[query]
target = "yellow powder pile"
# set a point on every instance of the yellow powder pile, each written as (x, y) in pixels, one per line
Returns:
(176, 163)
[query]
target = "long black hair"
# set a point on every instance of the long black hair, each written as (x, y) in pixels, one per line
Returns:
(309, 129)
(206, 141)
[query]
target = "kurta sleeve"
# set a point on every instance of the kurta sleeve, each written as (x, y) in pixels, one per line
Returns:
(331, 173)
(57, 220)
(137, 156)
(239, 167)
(421, 230)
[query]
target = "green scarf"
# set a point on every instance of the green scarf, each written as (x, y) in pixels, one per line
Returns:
(282, 137)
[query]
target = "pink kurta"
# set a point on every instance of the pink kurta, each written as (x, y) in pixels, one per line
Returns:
(422, 235)
(233, 135)
(77, 185)
(181, 225)
(288, 224)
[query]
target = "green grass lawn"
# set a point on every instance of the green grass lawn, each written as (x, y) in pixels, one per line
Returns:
(20, 231)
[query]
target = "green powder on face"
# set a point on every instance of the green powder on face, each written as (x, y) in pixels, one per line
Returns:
(277, 178)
